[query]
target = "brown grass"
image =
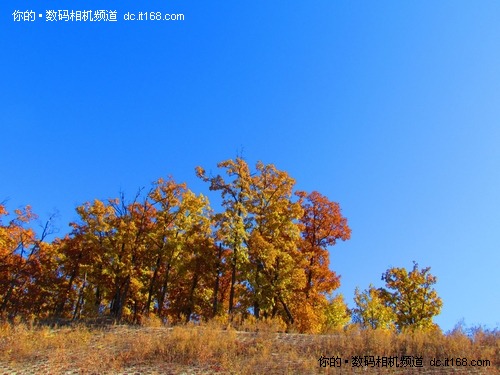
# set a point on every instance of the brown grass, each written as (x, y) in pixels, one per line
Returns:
(219, 348)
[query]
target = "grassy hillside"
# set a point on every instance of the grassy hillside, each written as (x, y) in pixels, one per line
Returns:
(216, 348)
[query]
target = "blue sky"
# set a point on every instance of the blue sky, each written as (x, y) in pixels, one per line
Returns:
(389, 108)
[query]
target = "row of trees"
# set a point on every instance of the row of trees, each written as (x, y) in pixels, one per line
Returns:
(166, 252)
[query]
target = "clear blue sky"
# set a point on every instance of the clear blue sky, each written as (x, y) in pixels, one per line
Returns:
(389, 108)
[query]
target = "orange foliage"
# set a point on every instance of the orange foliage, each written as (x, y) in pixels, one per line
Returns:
(166, 253)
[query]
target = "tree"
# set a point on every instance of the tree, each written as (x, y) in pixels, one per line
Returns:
(260, 227)
(321, 226)
(233, 223)
(194, 275)
(275, 264)
(279, 259)
(164, 242)
(19, 261)
(371, 311)
(116, 234)
(412, 299)
(336, 314)
(74, 260)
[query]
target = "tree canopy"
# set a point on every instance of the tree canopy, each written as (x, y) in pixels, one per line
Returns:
(166, 252)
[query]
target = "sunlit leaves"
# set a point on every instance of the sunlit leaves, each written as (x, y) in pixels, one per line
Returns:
(411, 296)
(20, 265)
(337, 315)
(321, 225)
(371, 309)
(165, 252)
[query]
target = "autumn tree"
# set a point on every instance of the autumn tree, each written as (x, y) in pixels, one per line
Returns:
(336, 313)
(45, 281)
(275, 263)
(19, 260)
(322, 225)
(278, 243)
(371, 309)
(164, 243)
(259, 225)
(233, 222)
(193, 272)
(411, 296)
(74, 261)
(115, 232)
(153, 254)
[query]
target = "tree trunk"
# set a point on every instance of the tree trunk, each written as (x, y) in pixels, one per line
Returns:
(217, 281)
(151, 285)
(164, 289)
(233, 282)
(288, 313)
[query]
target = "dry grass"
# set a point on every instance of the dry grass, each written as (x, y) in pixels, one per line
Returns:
(218, 348)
